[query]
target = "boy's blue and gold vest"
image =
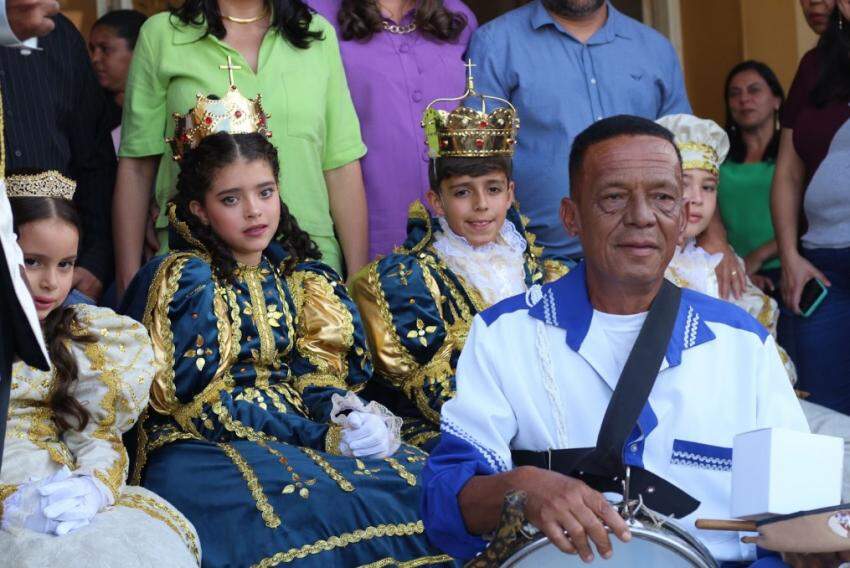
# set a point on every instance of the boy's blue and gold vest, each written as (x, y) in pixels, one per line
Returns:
(417, 314)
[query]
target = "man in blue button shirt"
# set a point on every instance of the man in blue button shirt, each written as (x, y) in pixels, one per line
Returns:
(565, 64)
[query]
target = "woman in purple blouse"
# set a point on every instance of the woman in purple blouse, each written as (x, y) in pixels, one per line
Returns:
(399, 55)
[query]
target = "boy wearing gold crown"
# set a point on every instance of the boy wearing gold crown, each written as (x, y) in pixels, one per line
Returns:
(417, 304)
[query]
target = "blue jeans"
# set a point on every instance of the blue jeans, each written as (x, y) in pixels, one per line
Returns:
(822, 341)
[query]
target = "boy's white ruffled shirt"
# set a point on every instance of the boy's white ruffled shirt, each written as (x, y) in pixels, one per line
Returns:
(496, 270)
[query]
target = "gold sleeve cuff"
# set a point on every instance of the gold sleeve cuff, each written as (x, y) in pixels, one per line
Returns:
(332, 440)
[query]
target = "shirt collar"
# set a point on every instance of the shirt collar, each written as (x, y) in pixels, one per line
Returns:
(186, 33)
(565, 304)
(616, 25)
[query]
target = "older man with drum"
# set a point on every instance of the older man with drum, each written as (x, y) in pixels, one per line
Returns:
(609, 373)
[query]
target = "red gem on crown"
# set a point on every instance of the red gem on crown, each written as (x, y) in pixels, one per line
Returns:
(484, 124)
(238, 114)
(480, 143)
(207, 120)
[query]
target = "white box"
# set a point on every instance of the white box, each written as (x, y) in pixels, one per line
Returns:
(777, 471)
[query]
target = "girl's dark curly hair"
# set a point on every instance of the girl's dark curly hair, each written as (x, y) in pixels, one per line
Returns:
(291, 19)
(834, 52)
(61, 325)
(197, 171)
(361, 19)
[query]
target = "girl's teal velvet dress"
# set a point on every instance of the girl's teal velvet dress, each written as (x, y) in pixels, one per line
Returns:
(238, 435)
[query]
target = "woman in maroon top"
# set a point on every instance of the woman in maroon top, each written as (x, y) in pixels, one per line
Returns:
(810, 199)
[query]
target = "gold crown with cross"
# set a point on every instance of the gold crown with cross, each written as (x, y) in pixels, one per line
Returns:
(468, 132)
(234, 113)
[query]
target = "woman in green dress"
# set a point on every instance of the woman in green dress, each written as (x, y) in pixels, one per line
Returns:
(279, 48)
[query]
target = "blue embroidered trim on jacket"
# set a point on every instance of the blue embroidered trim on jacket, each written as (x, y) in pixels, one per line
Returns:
(492, 457)
(703, 456)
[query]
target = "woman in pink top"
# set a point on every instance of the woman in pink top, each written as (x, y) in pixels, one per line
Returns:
(399, 55)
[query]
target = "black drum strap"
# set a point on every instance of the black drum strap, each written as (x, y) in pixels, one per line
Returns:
(602, 466)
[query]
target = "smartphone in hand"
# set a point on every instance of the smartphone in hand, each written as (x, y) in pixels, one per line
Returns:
(814, 293)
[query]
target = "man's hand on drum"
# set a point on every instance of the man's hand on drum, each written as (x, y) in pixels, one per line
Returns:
(557, 504)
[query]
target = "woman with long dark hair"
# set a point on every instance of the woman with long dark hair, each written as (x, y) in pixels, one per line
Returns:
(255, 432)
(811, 178)
(399, 55)
(64, 466)
(275, 47)
(754, 97)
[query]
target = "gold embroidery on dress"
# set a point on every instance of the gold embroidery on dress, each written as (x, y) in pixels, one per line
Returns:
(333, 439)
(343, 483)
(318, 380)
(341, 541)
(158, 511)
(199, 353)
(266, 510)
(415, 563)
(163, 391)
(115, 475)
(421, 332)
(401, 471)
(257, 310)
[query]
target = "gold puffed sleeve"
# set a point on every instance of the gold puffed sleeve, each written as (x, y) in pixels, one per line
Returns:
(114, 377)
(325, 332)
(391, 359)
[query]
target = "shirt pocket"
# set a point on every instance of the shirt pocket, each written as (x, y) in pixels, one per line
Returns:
(304, 96)
(643, 91)
(701, 456)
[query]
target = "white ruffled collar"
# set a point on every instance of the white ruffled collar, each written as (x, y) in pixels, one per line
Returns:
(496, 270)
(694, 267)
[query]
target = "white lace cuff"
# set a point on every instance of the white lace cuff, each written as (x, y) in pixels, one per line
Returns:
(353, 402)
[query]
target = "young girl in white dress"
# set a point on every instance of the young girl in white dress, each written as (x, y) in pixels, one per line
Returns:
(63, 498)
(704, 145)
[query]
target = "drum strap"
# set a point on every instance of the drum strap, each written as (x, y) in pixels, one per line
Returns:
(602, 467)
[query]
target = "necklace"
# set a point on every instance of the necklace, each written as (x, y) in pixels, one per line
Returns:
(236, 20)
(397, 29)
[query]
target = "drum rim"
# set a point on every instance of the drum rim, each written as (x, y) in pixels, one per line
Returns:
(698, 554)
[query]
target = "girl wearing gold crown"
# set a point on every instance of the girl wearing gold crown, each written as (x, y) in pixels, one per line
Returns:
(63, 500)
(703, 146)
(254, 430)
(418, 303)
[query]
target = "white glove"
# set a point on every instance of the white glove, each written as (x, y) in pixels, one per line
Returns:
(366, 435)
(73, 502)
(23, 508)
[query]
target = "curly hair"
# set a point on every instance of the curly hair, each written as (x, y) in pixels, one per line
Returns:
(291, 19)
(361, 19)
(197, 171)
(61, 325)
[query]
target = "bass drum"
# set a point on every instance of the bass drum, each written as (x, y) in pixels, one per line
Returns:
(666, 545)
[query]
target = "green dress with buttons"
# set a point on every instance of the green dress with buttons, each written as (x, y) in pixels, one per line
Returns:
(313, 122)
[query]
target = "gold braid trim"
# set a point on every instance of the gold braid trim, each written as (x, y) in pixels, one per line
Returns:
(415, 563)
(156, 320)
(141, 449)
(383, 306)
(263, 506)
(318, 380)
(341, 541)
(343, 483)
(401, 471)
(165, 514)
(333, 439)
(115, 475)
(420, 439)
